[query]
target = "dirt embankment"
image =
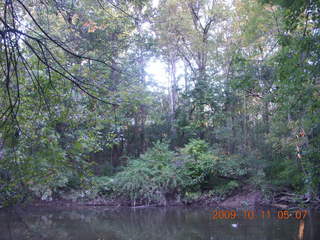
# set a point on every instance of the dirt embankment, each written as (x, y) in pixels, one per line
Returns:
(242, 198)
(282, 199)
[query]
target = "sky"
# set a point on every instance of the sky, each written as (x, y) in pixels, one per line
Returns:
(156, 71)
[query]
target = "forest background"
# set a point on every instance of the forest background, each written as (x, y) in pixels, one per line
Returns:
(82, 118)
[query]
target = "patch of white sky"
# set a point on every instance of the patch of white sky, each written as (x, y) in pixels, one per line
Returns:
(158, 76)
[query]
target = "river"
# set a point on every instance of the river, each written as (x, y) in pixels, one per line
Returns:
(176, 223)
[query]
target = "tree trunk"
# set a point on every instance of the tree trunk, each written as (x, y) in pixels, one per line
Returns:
(173, 93)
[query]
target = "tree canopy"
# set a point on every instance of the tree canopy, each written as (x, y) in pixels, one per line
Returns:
(80, 114)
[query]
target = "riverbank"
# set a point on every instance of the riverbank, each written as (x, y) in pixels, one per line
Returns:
(248, 198)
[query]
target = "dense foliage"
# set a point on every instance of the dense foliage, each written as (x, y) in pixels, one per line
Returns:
(80, 116)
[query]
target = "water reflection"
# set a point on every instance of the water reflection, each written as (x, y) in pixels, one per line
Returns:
(152, 223)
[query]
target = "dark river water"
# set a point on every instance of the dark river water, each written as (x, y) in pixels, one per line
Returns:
(157, 223)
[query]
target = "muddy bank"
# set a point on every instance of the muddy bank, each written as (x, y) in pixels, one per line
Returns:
(244, 199)
(247, 198)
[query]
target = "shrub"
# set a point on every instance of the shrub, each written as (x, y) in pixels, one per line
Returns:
(195, 148)
(151, 178)
(160, 174)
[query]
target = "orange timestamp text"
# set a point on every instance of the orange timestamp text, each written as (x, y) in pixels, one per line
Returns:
(218, 214)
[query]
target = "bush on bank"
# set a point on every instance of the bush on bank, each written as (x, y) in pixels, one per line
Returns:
(161, 175)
